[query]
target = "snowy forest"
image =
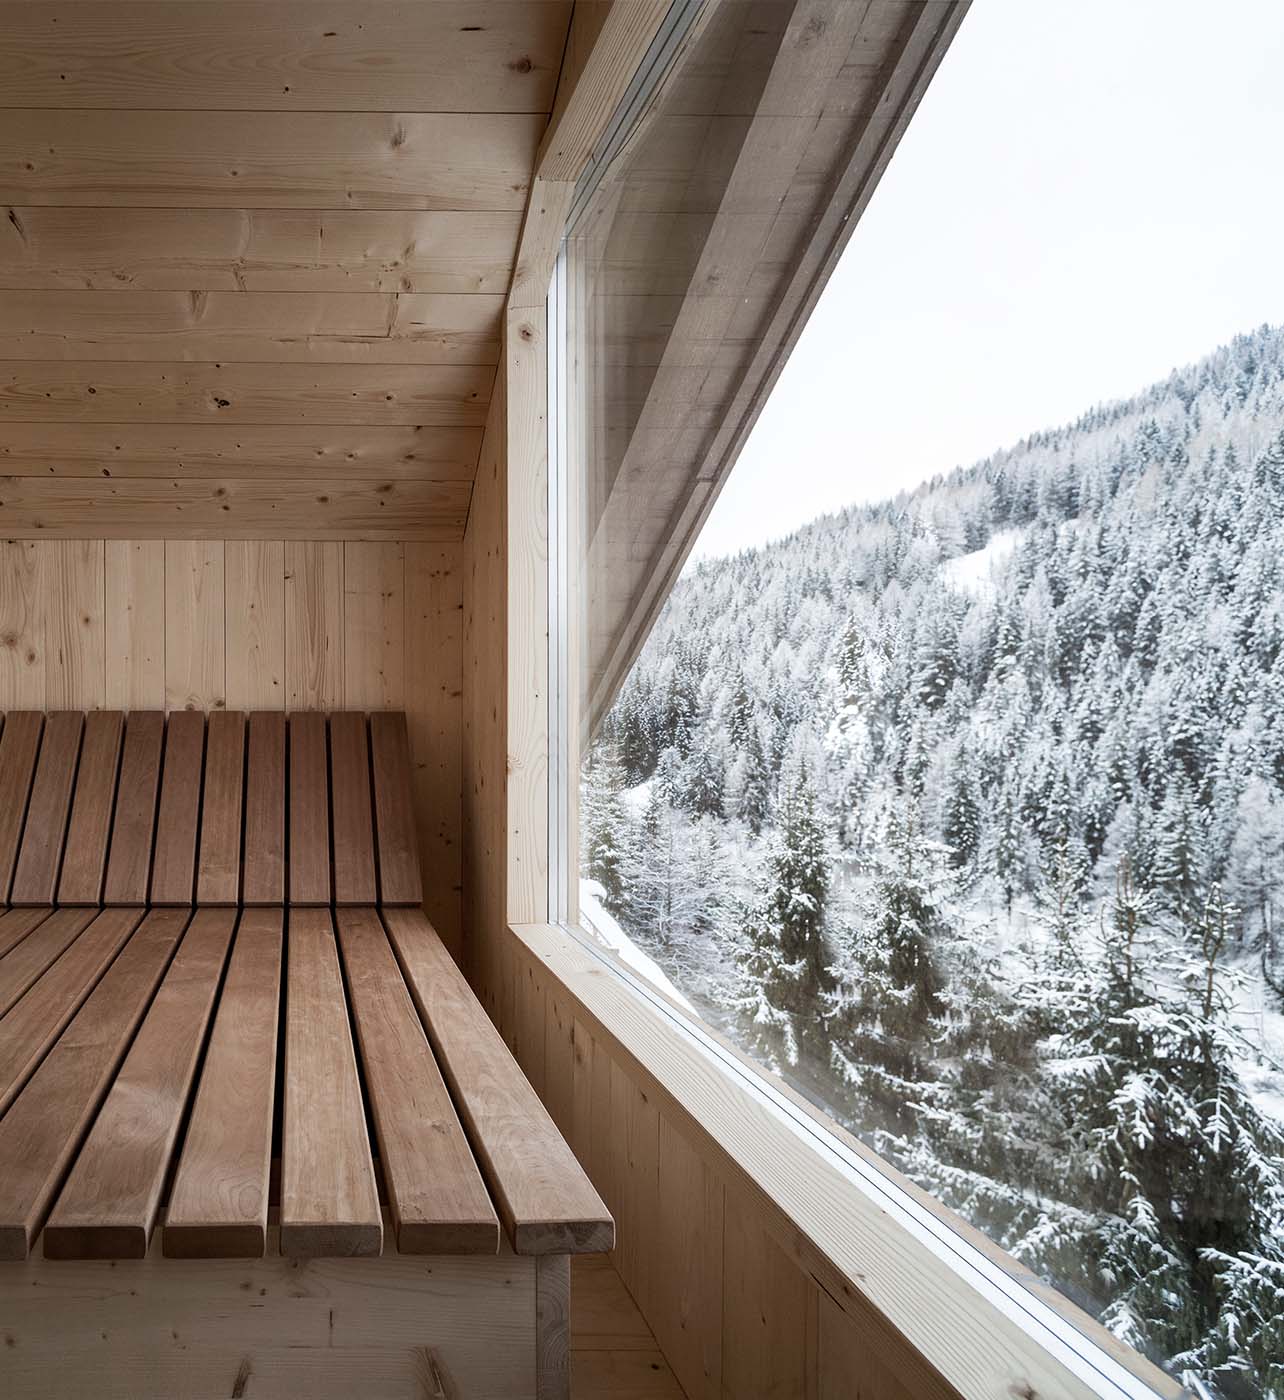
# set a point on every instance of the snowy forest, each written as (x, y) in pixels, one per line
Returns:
(965, 813)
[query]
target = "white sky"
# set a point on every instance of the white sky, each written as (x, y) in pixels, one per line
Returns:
(1091, 192)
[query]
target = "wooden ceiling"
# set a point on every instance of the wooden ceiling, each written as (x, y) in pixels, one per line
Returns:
(254, 256)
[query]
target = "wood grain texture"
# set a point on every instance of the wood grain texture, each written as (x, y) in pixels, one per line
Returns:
(545, 1201)
(278, 160)
(254, 634)
(374, 586)
(404, 1328)
(395, 838)
(130, 860)
(357, 328)
(19, 750)
(553, 1327)
(259, 250)
(134, 590)
(314, 631)
(22, 640)
(36, 877)
(434, 717)
(329, 1201)
(263, 879)
(350, 810)
(255, 508)
(195, 607)
(84, 860)
(103, 391)
(219, 1202)
(178, 817)
(309, 809)
(108, 1207)
(438, 1199)
(288, 55)
(43, 1130)
(75, 624)
(32, 1026)
(16, 924)
(218, 871)
(239, 451)
(40, 949)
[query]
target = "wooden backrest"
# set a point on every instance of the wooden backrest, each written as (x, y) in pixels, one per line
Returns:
(231, 809)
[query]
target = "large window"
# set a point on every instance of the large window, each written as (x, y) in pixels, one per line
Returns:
(961, 810)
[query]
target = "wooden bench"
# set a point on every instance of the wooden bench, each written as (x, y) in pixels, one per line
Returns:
(244, 1088)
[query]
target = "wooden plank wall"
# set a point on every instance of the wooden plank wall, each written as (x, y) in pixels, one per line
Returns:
(716, 1270)
(261, 624)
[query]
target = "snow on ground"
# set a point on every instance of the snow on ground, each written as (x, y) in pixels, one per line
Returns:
(971, 573)
(612, 936)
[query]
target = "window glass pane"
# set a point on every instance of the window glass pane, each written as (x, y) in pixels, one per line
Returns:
(962, 810)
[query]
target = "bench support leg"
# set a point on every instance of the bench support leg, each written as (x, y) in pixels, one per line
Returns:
(553, 1327)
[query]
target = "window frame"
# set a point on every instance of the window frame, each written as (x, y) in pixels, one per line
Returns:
(1002, 1300)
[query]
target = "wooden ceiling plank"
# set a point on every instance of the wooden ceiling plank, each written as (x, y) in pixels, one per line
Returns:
(104, 391)
(305, 160)
(259, 250)
(249, 450)
(260, 508)
(287, 55)
(302, 327)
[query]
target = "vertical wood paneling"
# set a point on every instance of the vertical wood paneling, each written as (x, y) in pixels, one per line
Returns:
(194, 625)
(687, 1315)
(765, 1315)
(635, 1128)
(75, 624)
(313, 625)
(255, 632)
(374, 624)
(22, 638)
(434, 616)
(135, 634)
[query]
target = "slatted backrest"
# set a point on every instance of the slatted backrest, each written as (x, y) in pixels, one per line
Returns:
(122, 810)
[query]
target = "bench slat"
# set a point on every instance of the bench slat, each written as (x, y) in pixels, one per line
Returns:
(109, 1205)
(219, 1202)
(309, 810)
(41, 948)
(547, 1203)
(354, 863)
(85, 858)
(439, 1201)
(400, 881)
(19, 746)
(329, 1201)
(43, 1130)
(174, 862)
(129, 862)
(218, 878)
(263, 881)
(36, 877)
(16, 924)
(32, 1026)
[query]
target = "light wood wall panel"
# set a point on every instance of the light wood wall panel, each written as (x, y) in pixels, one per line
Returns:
(313, 624)
(254, 624)
(135, 606)
(195, 608)
(254, 637)
(72, 590)
(22, 639)
(374, 645)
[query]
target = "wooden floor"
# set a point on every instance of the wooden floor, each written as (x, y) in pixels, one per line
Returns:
(613, 1354)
